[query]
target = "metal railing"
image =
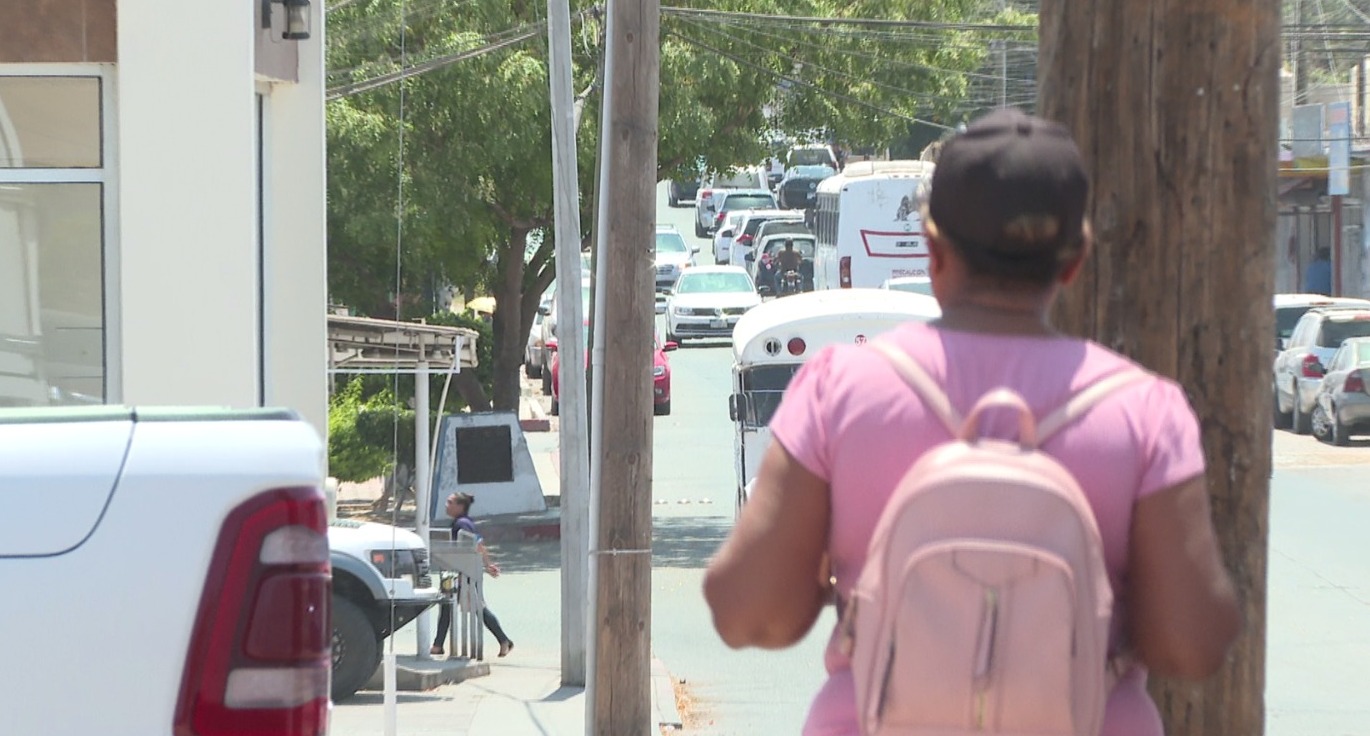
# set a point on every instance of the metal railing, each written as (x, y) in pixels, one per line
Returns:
(462, 573)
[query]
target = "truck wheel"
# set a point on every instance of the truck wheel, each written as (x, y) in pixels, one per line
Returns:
(356, 651)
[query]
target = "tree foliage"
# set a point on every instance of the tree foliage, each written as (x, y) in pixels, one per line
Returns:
(476, 173)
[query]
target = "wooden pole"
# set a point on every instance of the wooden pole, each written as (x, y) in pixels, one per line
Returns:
(1174, 104)
(619, 694)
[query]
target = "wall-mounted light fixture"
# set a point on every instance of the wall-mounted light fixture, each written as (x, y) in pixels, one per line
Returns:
(297, 18)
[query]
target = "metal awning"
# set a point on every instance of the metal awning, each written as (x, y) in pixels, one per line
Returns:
(380, 344)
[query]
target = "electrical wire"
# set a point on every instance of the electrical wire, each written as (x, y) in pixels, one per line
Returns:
(862, 22)
(440, 62)
(795, 80)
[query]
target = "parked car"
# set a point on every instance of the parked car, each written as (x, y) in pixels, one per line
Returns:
(1342, 406)
(673, 256)
(661, 378)
(1290, 307)
(533, 350)
(745, 234)
(165, 570)
(549, 330)
(799, 189)
(1299, 368)
(679, 190)
(912, 284)
(707, 302)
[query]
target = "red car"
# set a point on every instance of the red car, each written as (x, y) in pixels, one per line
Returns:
(661, 376)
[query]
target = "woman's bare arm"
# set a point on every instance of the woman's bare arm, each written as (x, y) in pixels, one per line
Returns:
(764, 586)
(1183, 607)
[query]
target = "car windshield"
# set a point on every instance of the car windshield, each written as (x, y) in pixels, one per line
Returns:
(749, 202)
(671, 242)
(713, 283)
(1333, 333)
(812, 172)
(810, 157)
(764, 387)
(1286, 318)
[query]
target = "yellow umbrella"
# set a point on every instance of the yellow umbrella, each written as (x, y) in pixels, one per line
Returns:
(485, 304)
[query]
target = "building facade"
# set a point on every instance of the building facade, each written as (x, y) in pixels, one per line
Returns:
(162, 223)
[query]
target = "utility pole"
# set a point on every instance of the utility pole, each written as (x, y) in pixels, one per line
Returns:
(575, 456)
(1180, 122)
(619, 687)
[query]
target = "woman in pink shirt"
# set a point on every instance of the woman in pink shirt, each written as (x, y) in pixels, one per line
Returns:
(1006, 231)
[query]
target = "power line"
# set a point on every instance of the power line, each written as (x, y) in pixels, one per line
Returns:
(347, 90)
(795, 80)
(863, 22)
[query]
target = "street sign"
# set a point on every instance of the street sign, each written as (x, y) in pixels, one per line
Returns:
(1339, 153)
(1307, 124)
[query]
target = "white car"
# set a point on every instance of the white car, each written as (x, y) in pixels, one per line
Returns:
(673, 256)
(911, 284)
(707, 301)
(723, 238)
(1290, 307)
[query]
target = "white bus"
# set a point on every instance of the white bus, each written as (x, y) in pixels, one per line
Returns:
(773, 340)
(868, 224)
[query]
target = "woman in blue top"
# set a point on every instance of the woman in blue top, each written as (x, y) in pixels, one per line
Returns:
(458, 507)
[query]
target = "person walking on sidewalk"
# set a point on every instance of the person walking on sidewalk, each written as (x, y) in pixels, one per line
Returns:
(1006, 230)
(459, 508)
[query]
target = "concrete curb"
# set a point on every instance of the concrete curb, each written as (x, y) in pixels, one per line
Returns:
(663, 698)
(419, 675)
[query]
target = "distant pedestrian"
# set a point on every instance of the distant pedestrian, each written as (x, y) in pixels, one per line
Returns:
(1318, 278)
(1006, 232)
(459, 508)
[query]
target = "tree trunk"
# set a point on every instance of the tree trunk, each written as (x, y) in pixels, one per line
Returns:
(509, 339)
(1174, 105)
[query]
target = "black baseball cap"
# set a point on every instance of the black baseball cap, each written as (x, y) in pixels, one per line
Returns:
(1002, 167)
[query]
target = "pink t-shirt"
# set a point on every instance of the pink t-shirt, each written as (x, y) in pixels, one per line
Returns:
(850, 419)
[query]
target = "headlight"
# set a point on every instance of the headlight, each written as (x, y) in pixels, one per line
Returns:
(658, 371)
(394, 563)
(682, 311)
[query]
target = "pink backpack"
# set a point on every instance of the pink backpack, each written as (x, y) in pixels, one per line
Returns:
(984, 604)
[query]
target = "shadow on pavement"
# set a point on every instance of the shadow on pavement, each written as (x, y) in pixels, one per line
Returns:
(687, 542)
(371, 697)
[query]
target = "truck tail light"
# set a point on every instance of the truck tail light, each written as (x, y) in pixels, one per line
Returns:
(1311, 367)
(259, 658)
(1354, 383)
(844, 272)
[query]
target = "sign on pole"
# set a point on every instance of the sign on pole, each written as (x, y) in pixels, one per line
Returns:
(1307, 123)
(1339, 154)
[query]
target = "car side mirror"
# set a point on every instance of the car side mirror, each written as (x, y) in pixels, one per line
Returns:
(694, 249)
(735, 407)
(668, 346)
(1317, 369)
(751, 257)
(764, 290)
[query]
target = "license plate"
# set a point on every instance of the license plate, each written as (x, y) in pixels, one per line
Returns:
(718, 324)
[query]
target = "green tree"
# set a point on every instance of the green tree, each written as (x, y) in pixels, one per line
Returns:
(477, 143)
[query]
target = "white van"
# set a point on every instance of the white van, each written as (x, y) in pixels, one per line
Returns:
(774, 339)
(869, 226)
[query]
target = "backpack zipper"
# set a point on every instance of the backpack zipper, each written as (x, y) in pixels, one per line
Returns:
(985, 655)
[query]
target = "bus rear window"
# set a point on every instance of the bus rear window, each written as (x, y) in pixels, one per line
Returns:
(764, 386)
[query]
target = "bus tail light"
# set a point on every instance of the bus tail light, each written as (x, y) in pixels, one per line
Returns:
(796, 346)
(844, 272)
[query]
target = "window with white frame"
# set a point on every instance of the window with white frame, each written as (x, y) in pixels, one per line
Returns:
(55, 194)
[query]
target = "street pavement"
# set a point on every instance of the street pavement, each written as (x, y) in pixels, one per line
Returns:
(1318, 637)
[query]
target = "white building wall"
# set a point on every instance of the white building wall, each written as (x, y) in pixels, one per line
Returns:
(187, 220)
(296, 293)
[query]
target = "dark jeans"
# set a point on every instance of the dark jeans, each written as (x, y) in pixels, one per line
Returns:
(445, 621)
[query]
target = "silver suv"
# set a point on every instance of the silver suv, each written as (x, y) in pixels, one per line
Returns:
(673, 256)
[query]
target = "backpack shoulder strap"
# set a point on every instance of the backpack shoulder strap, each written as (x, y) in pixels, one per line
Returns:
(1084, 400)
(923, 384)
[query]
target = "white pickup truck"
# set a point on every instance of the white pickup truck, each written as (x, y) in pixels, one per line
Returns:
(170, 571)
